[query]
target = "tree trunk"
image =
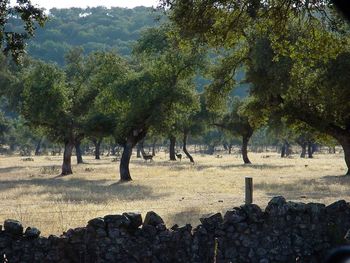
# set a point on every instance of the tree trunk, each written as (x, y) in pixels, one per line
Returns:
(283, 151)
(67, 156)
(154, 148)
(138, 150)
(245, 141)
(133, 139)
(230, 148)
(346, 148)
(310, 150)
(184, 147)
(142, 147)
(211, 149)
(345, 143)
(172, 148)
(303, 150)
(38, 146)
(124, 162)
(97, 144)
(78, 152)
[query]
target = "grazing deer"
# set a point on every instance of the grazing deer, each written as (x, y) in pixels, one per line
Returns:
(148, 157)
(179, 155)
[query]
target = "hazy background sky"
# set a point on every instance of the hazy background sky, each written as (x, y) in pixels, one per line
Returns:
(48, 4)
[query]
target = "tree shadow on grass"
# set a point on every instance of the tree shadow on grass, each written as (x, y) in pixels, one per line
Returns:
(183, 165)
(201, 167)
(337, 179)
(306, 188)
(10, 169)
(70, 189)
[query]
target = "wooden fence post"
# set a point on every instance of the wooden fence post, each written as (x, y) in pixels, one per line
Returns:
(248, 190)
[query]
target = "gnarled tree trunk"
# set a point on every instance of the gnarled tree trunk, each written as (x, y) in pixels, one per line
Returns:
(125, 161)
(97, 144)
(344, 140)
(172, 148)
(245, 141)
(184, 147)
(67, 156)
(130, 143)
(78, 152)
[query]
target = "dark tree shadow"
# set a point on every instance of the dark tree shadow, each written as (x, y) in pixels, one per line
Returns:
(185, 165)
(299, 188)
(10, 169)
(72, 189)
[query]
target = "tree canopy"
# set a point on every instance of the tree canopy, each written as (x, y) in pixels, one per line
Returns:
(13, 41)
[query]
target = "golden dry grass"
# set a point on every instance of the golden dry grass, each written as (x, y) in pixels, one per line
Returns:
(178, 191)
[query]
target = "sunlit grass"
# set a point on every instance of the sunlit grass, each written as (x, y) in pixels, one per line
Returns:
(179, 191)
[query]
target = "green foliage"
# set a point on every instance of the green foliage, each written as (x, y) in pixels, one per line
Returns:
(173, 64)
(63, 101)
(236, 121)
(4, 126)
(13, 41)
(46, 97)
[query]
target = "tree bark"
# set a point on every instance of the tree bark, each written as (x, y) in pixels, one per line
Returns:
(130, 143)
(138, 150)
(230, 148)
(345, 143)
(125, 161)
(172, 148)
(38, 146)
(310, 149)
(142, 147)
(285, 151)
(97, 144)
(245, 141)
(346, 148)
(184, 147)
(67, 156)
(154, 148)
(78, 152)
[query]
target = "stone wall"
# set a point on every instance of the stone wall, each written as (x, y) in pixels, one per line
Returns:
(284, 232)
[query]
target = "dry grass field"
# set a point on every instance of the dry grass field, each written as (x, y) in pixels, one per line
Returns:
(178, 191)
